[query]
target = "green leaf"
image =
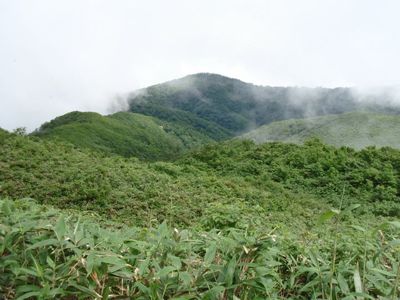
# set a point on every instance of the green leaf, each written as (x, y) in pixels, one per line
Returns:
(229, 271)
(213, 293)
(44, 243)
(39, 269)
(175, 261)
(395, 224)
(60, 228)
(343, 284)
(359, 228)
(50, 262)
(352, 207)
(357, 280)
(28, 295)
(144, 289)
(165, 271)
(185, 278)
(27, 288)
(85, 290)
(90, 262)
(210, 254)
(328, 215)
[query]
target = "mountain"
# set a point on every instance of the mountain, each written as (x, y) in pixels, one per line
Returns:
(166, 120)
(123, 133)
(356, 130)
(234, 107)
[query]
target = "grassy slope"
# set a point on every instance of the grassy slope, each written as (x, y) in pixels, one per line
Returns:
(123, 133)
(356, 130)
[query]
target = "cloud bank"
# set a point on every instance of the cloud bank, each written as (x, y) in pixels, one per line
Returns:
(58, 56)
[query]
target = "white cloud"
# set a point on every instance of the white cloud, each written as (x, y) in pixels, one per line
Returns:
(58, 56)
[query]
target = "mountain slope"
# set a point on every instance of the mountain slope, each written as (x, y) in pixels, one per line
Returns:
(236, 106)
(228, 184)
(356, 130)
(123, 133)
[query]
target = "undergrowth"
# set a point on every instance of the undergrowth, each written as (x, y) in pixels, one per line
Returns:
(47, 254)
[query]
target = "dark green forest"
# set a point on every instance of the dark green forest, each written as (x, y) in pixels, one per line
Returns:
(237, 106)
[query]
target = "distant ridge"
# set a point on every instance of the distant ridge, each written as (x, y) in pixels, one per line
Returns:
(357, 130)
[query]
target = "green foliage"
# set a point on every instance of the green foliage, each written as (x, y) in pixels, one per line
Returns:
(3, 134)
(123, 133)
(236, 183)
(46, 254)
(262, 221)
(356, 130)
(184, 120)
(126, 189)
(371, 176)
(20, 131)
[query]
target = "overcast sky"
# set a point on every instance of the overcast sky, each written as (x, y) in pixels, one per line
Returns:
(59, 56)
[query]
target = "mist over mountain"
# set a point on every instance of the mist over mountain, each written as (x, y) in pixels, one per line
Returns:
(238, 106)
(163, 121)
(356, 130)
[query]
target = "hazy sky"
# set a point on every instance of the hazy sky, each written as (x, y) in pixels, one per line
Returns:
(57, 56)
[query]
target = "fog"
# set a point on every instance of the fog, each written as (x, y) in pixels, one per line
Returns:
(59, 56)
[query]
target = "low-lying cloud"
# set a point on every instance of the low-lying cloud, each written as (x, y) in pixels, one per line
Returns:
(58, 56)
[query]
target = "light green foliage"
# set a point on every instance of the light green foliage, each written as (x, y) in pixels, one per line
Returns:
(371, 176)
(140, 193)
(123, 133)
(45, 254)
(357, 130)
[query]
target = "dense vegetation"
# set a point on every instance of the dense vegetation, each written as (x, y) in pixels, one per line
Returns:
(3, 133)
(45, 255)
(136, 192)
(236, 106)
(273, 220)
(123, 133)
(357, 130)
(230, 184)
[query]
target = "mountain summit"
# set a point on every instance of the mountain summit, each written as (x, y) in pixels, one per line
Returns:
(237, 107)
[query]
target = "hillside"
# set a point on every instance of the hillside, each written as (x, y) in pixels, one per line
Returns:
(236, 107)
(123, 133)
(357, 130)
(233, 219)
(233, 178)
